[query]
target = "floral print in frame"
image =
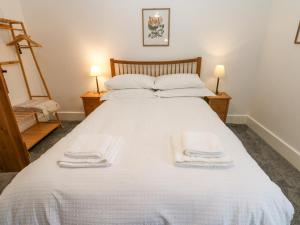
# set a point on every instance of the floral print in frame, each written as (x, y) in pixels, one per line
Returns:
(156, 26)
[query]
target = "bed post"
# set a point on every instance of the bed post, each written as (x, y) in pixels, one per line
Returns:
(198, 70)
(112, 67)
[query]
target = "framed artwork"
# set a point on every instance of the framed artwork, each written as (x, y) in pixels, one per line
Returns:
(156, 26)
(297, 39)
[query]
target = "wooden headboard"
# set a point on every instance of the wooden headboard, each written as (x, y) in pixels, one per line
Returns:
(155, 68)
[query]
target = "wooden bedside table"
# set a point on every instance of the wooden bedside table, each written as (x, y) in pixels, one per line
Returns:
(91, 100)
(219, 104)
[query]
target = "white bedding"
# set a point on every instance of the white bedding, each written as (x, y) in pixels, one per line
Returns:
(143, 187)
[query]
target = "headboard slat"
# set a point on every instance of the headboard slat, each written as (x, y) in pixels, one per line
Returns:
(155, 68)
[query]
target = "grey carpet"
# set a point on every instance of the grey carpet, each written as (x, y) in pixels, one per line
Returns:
(277, 168)
(48, 142)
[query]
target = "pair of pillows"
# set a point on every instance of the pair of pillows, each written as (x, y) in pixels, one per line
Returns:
(165, 82)
(143, 86)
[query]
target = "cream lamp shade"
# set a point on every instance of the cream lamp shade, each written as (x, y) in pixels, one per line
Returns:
(219, 71)
(95, 71)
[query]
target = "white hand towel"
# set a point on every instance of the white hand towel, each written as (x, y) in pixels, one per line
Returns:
(203, 144)
(89, 146)
(195, 161)
(106, 160)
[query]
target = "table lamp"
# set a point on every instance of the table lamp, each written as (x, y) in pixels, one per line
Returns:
(219, 73)
(95, 72)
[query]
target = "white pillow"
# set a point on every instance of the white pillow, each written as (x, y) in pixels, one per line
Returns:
(174, 81)
(184, 92)
(130, 81)
(128, 93)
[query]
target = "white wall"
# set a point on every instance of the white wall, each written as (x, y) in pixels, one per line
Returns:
(276, 103)
(77, 34)
(11, 9)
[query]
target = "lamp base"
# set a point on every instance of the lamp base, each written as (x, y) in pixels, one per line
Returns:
(97, 85)
(217, 88)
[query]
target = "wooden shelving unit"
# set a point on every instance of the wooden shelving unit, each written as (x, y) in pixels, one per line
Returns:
(37, 132)
(21, 40)
(13, 153)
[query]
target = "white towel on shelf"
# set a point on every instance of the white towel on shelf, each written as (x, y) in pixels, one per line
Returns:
(183, 160)
(89, 146)
(204, 144)
(106, 160)
(43, 105)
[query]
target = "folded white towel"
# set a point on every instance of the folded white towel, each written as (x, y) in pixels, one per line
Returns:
(89, 146)
(44, 106)
(106, 160)
(195, 161)
(202, 144)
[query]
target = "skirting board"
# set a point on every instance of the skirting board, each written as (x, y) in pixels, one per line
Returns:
(283, 148)
(71, 116)
(237, 119)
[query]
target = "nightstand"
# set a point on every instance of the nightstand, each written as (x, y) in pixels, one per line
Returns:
(219, 104)
(91, 100)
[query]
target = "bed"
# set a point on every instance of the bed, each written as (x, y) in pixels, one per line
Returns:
(143, 187)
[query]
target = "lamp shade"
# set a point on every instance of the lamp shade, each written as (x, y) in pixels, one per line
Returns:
(219, 71)
(95, 71)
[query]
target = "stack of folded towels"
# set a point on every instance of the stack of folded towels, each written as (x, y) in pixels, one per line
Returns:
(199, 149)
(90, 150)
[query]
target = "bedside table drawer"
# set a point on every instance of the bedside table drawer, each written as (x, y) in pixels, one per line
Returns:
(219, 103)
(91, 100)
(90, 105)
(218, 106)
(223, 117)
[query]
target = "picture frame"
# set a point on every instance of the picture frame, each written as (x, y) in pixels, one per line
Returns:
(156, 26)
(297, 38)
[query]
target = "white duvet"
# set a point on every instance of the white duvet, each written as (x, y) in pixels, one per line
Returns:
(143, 187)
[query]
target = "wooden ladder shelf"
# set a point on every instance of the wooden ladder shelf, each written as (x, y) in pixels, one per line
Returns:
(19, 35)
